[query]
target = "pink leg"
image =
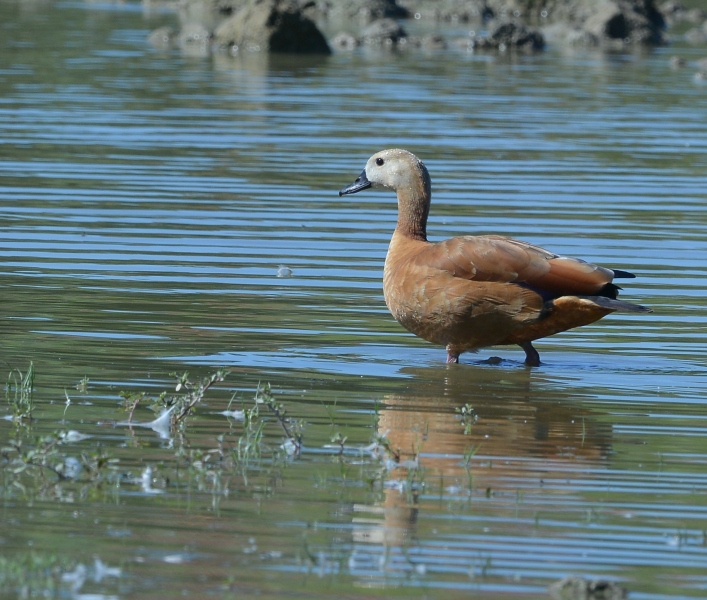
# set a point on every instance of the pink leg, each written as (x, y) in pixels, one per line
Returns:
(452, 358)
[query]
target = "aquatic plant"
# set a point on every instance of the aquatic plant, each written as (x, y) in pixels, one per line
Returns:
(46, 468)
(241, 450)
(292, 428)
(33, 574)
(36, 574)
(180, 406)
(82, 385)
(19, 392)
(468, 417)
(243, 455)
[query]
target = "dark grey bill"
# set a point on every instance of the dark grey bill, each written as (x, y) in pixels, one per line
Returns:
(361, 183)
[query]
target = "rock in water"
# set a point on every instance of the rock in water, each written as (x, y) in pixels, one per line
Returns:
(272, 26)
(383, 31)
(578, 588)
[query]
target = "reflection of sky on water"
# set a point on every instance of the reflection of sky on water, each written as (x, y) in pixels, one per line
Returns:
(148, 201)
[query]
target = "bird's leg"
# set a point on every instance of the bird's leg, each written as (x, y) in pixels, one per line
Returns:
(452, 357)
(532, 358)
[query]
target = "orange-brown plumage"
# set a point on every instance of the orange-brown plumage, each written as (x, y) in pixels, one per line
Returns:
(471, 292)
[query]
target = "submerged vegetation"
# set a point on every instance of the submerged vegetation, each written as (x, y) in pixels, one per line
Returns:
(258, 440)
(205, 442)
(60, 466)
(33, 574)
(19, 392)
(36, 574)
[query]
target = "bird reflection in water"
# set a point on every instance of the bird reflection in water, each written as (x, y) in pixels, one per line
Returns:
(529, 435)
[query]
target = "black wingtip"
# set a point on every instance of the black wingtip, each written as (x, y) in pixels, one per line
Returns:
(619, 274)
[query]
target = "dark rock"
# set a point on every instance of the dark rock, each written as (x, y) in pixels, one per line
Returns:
(608, 21)
(578, 588)
(383, 31)
(611, 23)
(511, 35)
(515, 35)
(624, 21)
(627, 22)
(271, 26)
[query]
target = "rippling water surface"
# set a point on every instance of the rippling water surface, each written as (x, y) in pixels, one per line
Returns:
(150, 204)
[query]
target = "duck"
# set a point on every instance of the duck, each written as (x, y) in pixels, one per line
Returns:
(472, 292)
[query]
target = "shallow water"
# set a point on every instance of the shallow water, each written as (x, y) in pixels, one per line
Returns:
(147, 204)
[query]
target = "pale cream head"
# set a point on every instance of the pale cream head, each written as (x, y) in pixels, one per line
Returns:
(403, 172)
(394, 169)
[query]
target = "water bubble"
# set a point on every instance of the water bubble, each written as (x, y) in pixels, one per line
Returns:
(284, 271)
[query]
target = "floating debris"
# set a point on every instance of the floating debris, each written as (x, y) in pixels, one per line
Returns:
(71, 469)
(284, 271)
(77, 578)
(70, 436)
(146, 482)
(291, 447)
(251, 547)
(238, 415)
(161, 425)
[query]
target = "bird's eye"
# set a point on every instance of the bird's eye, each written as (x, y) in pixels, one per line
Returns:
(379, 162)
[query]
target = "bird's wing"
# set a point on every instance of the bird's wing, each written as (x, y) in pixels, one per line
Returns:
(506, 260)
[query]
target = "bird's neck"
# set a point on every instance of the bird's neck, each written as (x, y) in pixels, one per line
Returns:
(414, 205)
